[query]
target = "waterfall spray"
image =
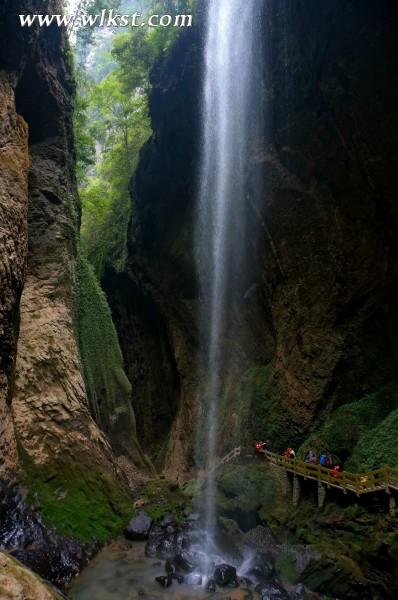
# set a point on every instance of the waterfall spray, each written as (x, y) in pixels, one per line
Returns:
(230, 115)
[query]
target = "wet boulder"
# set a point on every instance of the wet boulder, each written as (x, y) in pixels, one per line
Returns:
(169, 567)
(164, 581)
(245, 582)
(299, 593)
(168, 547)
(167, 520)
(186, 561)
(193, 579)
(262, 567)
(193, 517)
(163, 543)
(272, 591)
(225, 575)
(139, 527)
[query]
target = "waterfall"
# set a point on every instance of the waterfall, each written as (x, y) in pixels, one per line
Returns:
(231, 116)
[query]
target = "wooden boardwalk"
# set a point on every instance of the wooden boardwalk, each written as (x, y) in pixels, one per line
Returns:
(384, 478)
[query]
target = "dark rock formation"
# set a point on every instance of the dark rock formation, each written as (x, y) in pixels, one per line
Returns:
(272, 592)
(55, 558)
(225, 575)
(139, 527)
(319, 311)
(61, 456)
(164, 581)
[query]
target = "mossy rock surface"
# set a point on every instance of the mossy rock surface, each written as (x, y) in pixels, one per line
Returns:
(364, 431)
(378, 446)
(77, 499)
(161, 496)
(108, 388)
(286, 569)
(357, 546)
(267, 417)
(243, 487)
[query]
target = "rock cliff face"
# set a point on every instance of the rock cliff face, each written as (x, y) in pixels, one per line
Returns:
(17, 582)
(319, 317)
(49, 440)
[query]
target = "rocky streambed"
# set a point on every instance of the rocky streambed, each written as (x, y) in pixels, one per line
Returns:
(167, 560)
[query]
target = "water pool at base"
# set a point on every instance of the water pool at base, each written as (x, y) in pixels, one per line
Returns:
(121, 571)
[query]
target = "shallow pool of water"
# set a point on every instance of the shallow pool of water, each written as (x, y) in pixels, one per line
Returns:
(121, 571)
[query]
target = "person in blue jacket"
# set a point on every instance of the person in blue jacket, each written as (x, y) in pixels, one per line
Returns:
(323, 459)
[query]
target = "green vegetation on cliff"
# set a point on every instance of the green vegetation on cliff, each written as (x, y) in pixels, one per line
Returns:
(162, 496)
(353, 548)
(364, 431)
(112, 125)
(77, 499)
(268, 418)
(107, 385)
(378, 446)
(243, 488)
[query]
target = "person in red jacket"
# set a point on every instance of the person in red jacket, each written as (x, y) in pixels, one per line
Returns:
(336, 471)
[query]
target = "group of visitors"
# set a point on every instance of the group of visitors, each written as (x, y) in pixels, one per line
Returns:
(326, 458)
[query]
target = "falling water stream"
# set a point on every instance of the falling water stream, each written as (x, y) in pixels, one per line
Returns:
(231, 115)
(231, 119)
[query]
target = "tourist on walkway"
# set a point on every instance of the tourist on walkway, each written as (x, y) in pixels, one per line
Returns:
(310, 457)
(336, 471)
(289, 453)
(323, 459)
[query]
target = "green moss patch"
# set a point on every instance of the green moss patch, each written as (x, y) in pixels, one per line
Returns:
(267, 417)
(78, 500)
(243, 487)
(378, 446)
(354, 544)
(162, 496)
(286, 569)
(108, 387)
(356, 426)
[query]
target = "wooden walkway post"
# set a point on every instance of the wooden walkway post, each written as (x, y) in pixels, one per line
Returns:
(321, 494)
(392, 506)
(296, 490)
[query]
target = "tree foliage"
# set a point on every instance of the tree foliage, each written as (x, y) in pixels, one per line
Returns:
(112, 124)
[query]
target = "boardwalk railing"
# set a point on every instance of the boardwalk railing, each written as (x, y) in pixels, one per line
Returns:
(226, 459)
(384, 478)
(358, 483)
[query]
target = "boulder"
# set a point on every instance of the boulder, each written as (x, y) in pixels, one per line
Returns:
(262, 567)
(186, 561)
(164, 581)
(299, 592)
(193, 579)
(193, 517)
(211, 586)
(245, 582)
(225, 575)
(139, 527)
(163, 543)
(169, 567)
(167, 520)
(272, 591)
